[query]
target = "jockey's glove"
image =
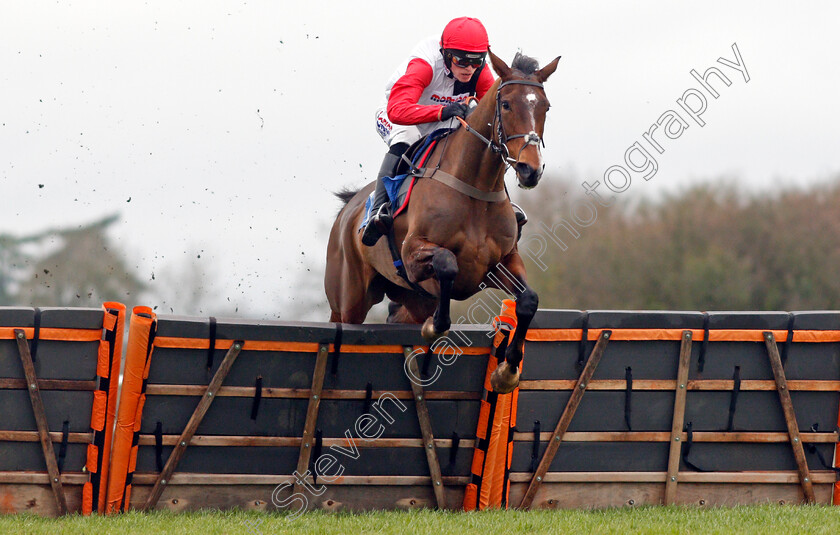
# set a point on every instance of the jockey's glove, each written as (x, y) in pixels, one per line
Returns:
(456, 109)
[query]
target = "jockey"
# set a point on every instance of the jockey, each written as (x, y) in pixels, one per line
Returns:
(429, 89)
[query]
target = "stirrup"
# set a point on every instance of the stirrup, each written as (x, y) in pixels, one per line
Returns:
(521, 216)
(521, 219)
(378, 225)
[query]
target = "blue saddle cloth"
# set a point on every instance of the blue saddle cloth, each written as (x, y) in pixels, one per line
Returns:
(392, 186)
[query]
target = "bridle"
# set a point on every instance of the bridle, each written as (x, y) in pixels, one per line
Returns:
(500, 147)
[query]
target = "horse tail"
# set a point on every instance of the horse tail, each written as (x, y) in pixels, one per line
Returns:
(345, 194)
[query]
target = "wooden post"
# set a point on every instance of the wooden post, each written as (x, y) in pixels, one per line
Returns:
(675, 452)
(198, 415)
(312, 414)
(566, 419)
(790, 416)
(41, 420)
(426, 429)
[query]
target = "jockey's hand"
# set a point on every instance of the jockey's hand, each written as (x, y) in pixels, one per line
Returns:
(456, 109)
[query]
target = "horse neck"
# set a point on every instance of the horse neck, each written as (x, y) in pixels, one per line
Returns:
(470, 159)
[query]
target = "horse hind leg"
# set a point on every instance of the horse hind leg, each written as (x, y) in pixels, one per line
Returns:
(352, 297)
(406, 306)
(410, 310)
(396, 313)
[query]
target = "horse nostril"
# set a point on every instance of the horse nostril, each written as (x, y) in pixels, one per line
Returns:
(523, 169)
(528, 176)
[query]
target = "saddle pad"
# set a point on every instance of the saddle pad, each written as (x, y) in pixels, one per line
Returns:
(398, 193)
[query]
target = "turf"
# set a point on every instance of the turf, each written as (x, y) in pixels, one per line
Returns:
(749, 519)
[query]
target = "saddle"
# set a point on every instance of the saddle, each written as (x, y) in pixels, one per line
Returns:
(398, 187)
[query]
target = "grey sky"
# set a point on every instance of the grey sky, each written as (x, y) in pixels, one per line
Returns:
(228, 124)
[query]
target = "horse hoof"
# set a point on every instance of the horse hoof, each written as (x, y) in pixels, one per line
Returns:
(428, 331)
(503, 380)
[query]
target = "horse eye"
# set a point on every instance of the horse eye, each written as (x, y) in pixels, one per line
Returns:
(505, 105)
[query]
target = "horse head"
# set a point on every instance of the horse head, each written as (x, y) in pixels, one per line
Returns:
(521, 105)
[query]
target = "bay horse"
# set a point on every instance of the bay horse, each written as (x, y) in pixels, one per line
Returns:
(459, 234)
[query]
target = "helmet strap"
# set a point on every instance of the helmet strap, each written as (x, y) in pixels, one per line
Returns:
(447, 62)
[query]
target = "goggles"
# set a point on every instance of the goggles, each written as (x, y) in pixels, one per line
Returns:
(466, 59)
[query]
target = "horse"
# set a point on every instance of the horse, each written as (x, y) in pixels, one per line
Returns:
(460, 232)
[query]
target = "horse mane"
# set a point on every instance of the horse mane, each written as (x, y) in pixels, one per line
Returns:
(524, 64)
(345, 194)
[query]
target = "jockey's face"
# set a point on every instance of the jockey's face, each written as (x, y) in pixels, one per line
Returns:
(463, 74)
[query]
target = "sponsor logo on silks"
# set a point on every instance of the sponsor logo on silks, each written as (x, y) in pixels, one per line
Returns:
(383, 125)
(448, 99)
(380, 119)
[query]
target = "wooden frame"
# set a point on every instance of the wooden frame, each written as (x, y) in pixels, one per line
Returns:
(664, 436)
(692, 384)
(566, 418)
(312, 414)
(303, 393)
(426, 430)
(675, 452)
(198, 415)
(790, 416)
(383, 492)
(41, 421)
(677, 437)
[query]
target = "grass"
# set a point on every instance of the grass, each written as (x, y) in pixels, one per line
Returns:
(746, 519)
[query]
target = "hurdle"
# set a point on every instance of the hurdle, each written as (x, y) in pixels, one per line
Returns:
(229, 411)
(58, 392)
(721, 408)
(614, 409)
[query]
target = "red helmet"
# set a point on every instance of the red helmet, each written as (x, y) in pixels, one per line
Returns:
(465, 33)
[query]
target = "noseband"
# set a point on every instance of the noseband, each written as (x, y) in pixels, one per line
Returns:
(500, 147)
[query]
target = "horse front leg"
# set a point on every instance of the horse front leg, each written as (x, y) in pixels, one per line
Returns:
(445, 266)
(510, 277)
(430, 260)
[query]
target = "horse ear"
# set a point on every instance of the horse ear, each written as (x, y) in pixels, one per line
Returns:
(548, 70)
(501, 68)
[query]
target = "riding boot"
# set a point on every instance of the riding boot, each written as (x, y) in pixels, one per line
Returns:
(521, 219)
(380, 220)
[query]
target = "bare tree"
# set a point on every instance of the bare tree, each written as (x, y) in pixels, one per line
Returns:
(74, 267)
